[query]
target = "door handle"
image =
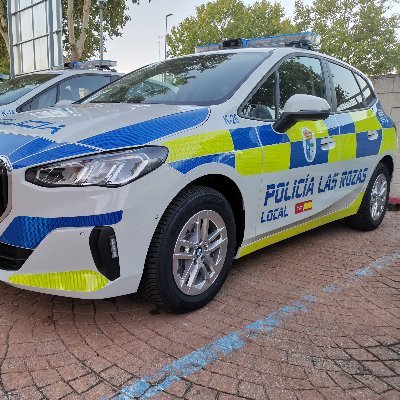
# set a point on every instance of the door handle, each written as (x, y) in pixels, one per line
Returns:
(328, 143)
(373, 135)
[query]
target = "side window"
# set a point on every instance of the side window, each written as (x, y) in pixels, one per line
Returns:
(300, 75)
(43, 100)
(76, 88)
(262, 103)
(348, 95)
(369, 96)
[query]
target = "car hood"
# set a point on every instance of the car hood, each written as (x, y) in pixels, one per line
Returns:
(47, 135)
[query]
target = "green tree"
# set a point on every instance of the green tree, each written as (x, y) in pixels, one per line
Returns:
(359, 32)
(81, 27)
(222, 19)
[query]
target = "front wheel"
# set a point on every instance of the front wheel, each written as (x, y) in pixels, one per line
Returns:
(374, 204)
(191, 252)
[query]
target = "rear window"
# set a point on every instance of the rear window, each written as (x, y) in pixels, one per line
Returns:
(13, 89)
(197, 80)
(369, 96)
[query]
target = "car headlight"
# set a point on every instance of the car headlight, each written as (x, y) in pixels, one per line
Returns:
(105, 169)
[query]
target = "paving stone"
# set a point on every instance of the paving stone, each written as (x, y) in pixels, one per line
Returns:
(346, 346)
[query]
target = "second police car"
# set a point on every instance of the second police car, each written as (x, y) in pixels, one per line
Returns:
(160, 179)
(47, 88)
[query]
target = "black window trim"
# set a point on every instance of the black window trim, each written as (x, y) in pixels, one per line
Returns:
(275, 69)
(57, 84)
(354, 72)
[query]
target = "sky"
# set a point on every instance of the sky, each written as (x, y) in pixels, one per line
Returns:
(139, 45)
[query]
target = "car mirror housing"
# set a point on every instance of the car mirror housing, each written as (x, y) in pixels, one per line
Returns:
(302, 107)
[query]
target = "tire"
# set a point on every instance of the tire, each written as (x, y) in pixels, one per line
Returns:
(366, 219)
(165, 281)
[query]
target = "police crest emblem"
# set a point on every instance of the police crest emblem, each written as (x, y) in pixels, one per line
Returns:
(309, 144)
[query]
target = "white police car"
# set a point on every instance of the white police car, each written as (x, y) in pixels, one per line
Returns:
(46, 89)
(160, 179)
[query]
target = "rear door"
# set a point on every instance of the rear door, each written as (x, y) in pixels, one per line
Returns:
(360, 131)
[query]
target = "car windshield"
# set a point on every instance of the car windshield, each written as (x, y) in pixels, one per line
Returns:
(196, 80)
(13, 89)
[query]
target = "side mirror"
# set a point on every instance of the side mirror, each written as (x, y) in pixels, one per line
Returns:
(63, 103)
(302, 107)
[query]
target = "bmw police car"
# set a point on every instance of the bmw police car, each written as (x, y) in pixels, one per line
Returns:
(159, 180)
(46, 89)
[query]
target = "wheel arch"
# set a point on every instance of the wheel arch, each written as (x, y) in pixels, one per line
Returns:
(229, 189)
(388, 161)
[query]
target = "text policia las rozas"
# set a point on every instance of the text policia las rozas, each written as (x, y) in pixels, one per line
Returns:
(306, 187)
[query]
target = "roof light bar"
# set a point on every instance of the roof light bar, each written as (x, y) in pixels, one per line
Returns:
(306, 40)
(208, 47)
(91, 64)
(301, 39)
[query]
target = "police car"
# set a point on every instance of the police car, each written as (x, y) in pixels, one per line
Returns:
(46, 89)
(159, 180)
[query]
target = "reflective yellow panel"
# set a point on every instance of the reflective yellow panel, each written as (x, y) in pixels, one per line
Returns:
(277, 157)
(75, 281)
(277, 237)
(249, 162)
(199, 145)
(348, 146)
(319, 129)
(365, 120)
(389, 140)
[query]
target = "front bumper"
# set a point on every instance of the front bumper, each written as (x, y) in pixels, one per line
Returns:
(49, 237)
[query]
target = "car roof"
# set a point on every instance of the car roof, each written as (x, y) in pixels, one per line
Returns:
(282, 51)
(70, 72)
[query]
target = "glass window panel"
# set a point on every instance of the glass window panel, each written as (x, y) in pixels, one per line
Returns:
(348, 95)
(300, 75)
(75, 89)
(262, 103)
(201, 80)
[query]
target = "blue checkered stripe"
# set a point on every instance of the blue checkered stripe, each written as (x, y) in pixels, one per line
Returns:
(26, 150)
(28, 232)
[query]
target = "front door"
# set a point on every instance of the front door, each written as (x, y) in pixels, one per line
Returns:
(298, 178)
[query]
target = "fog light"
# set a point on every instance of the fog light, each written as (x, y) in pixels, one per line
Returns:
(104, 247)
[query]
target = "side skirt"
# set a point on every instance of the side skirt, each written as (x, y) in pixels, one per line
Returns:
(288, 233)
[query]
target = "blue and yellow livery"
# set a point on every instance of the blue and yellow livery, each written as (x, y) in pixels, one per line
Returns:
(159, 180)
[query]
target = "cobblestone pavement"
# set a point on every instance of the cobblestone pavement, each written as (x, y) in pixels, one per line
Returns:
(324, 331)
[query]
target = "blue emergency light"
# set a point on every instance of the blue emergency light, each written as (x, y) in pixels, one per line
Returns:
(91, 64)
(304, 40)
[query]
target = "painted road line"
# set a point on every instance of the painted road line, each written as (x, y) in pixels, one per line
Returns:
(164, 377)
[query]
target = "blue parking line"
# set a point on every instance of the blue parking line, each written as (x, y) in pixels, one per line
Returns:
(164, 377)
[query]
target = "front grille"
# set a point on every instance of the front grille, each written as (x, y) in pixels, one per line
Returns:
(3, 187)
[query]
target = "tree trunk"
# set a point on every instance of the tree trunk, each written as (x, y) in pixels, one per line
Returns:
(85, 24)
(77, 45)
(4, 28)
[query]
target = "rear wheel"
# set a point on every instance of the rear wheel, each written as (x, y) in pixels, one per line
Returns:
(191, 251)
(374, 204)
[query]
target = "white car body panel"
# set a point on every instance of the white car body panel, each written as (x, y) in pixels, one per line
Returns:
(78, 130)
